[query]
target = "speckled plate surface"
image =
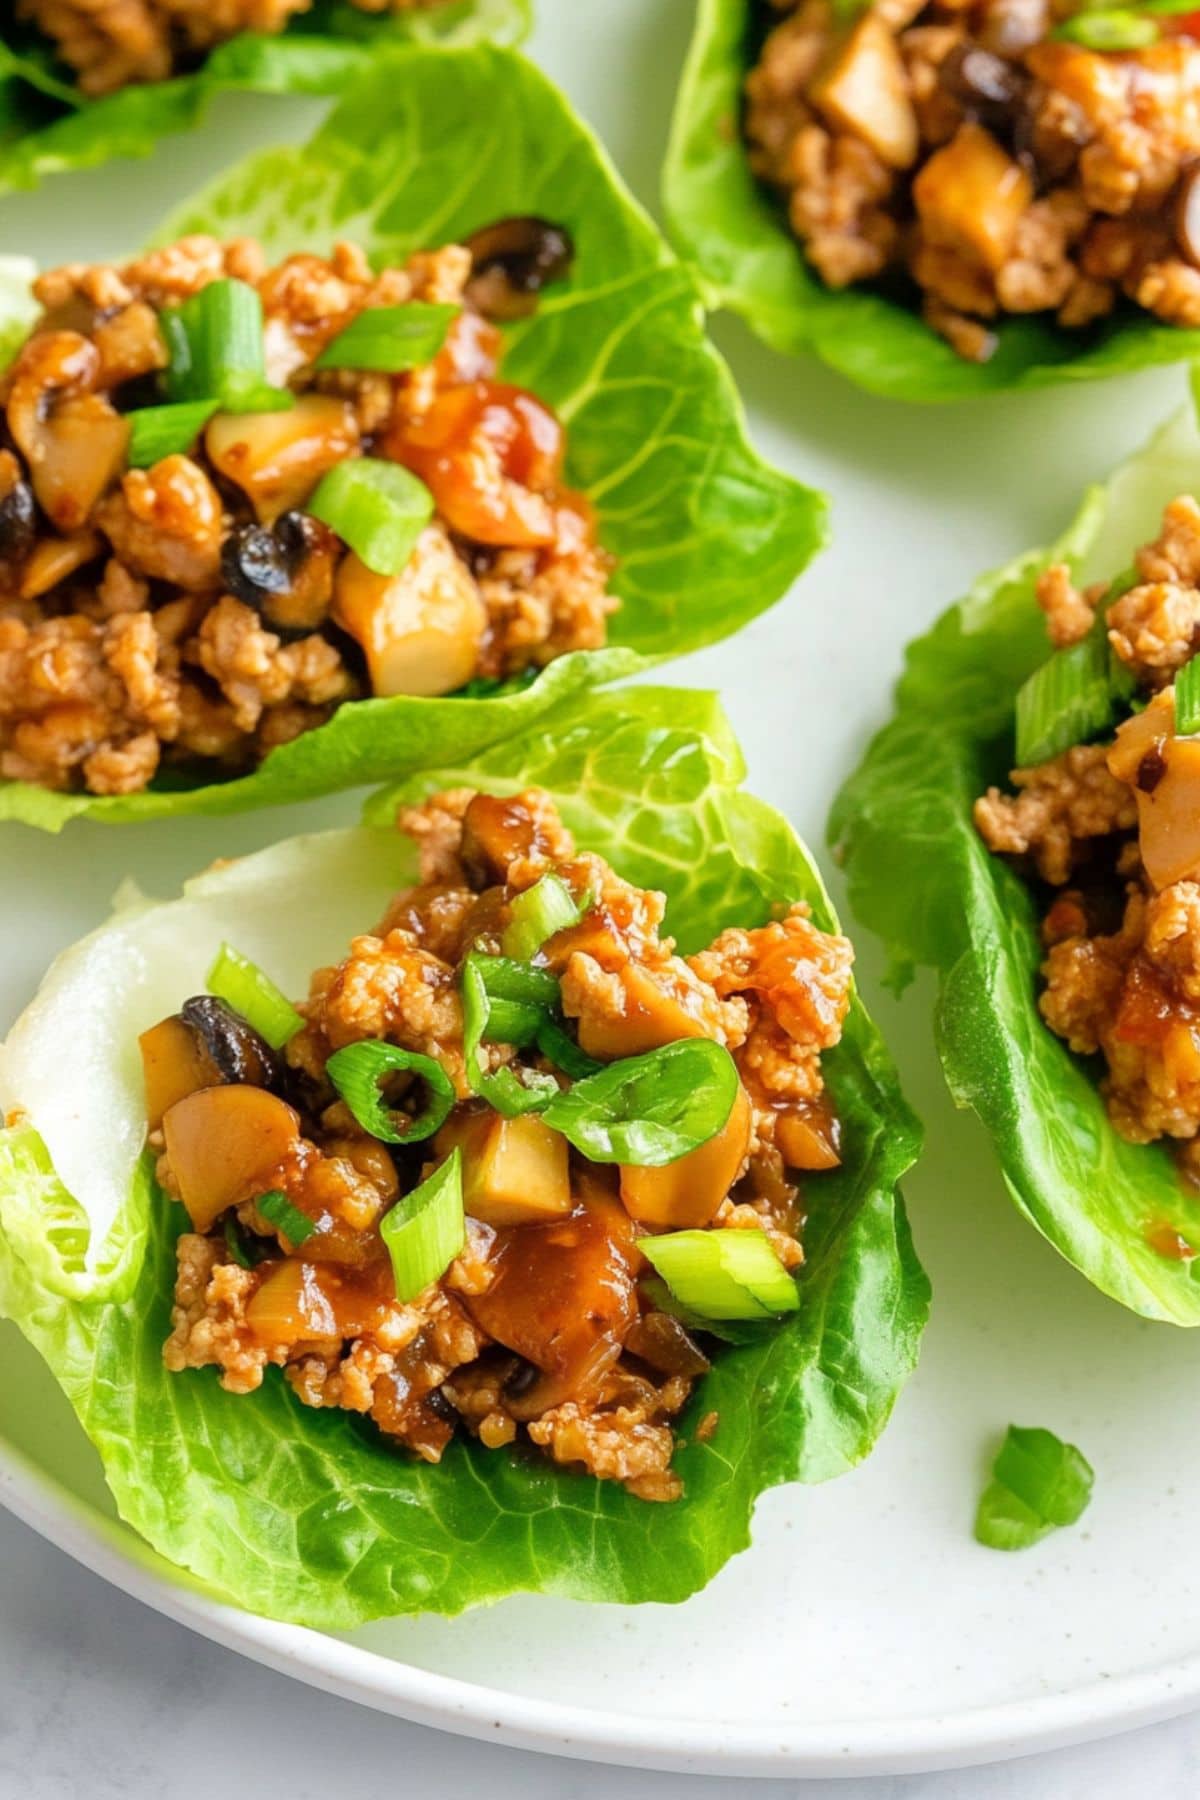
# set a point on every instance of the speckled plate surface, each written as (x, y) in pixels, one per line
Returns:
(865, 1631)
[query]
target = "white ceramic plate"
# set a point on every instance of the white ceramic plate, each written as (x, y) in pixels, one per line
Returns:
(866, 1631)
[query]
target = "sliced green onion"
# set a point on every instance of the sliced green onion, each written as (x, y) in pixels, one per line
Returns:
(558, 1047)
(235, 1243)
(1066, 701)
(652, 1109)
(1038, 1484)
(215, 350)
(722, 1274)
(502, 1088)
(278, 1209)
(1187, 699)
(356, 1072)
(242, 985)
(378, 508)
(391, 338)
(1163, 9)
(1116, 30)
(507, 979)
(731, 1331)
(547, 907)
(158, 431)
(513, 1022)
(425, 1231)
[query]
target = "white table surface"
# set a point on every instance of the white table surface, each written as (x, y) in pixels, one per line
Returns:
(100, 1697)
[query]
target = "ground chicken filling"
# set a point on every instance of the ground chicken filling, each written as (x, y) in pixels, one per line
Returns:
(1110, 832)
(111, 43)
(542, 1329)
(961, 145)
(192, 612)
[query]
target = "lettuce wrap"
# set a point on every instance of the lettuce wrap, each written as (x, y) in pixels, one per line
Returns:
(920, 876)
(305, 1515)
(47, 125)
(434, 143)
(736, 233)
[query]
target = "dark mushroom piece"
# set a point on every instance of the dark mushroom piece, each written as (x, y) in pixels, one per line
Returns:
(284, 571)
(1187, 214)
(989, 89)
(664, 1344)
(18, 512)
(512, 261)
(235, 1049)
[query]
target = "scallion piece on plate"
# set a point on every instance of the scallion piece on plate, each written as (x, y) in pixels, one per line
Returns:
(242, 985)
(545, 908)
(356, 1072)
(279, 1211)
(1038, 1484)
(722, 1274)
(158, 431)
(502, 1088)
(1119, 29)
(652, 1109)
(1187, 699)
(391, 338)
(376, 507)
(425, 1231)
(1066, 701)
(215, 350)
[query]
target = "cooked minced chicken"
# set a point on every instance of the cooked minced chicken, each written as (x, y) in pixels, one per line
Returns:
(541, 1329)
(111, 43)
(1000, 168)
(1113, 831)
(135, 626)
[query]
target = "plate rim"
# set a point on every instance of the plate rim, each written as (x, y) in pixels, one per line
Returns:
(923, 1744)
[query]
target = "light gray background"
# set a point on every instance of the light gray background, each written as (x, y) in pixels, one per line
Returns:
(101, 1697)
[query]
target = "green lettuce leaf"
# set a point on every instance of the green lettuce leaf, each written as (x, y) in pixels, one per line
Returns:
(431, 144)
(304, 1515)
(736, 233)
(919, 875)
(46, 126)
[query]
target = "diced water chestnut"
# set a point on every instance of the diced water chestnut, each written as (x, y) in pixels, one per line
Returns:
(686, 1193)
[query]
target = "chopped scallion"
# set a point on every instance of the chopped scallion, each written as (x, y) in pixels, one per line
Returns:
(723, 1274)
(235, 1243)
(1038, 1484)
(1119, 29)
(215, 350)
(558, 1047)
(391, 338)
(279, 1211)
(1187, 699)
(1066, 701)
(649, 1110)
(242, 985)
(503, 1088)
(378, 508)
(356, 1072)
(732, 1331)
(158, 431)
(547, 907)
(425, 1230)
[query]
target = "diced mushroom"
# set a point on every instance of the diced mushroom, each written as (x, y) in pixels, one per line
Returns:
(224, 1143)
(970, 196)
(175, 1064)
(18, 515)
(291, 1306)
(563, 1295)
(1164, 772)
(666, 1345)
(515, 1171)
(864, 90)
(685, 1194)
(285, 571)
(512, 260)
(496, 832)
(54, 559)
(73, 441)
(421, 630)
(278, 458)
(236, 1050)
